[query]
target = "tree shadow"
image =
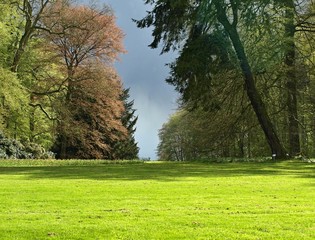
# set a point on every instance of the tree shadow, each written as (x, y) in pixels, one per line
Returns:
(161, 171)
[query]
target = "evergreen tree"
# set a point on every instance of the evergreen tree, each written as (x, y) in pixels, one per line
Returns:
(127, 148)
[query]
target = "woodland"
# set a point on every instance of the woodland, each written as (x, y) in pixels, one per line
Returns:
(60, 93)
(245, 73)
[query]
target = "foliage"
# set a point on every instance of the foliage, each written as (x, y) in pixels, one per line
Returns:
(13, 106)
(13, 149)
(157, 200)
(127, 149)
(93, 115)
(9, 23)
(203, 135)
(195, 72)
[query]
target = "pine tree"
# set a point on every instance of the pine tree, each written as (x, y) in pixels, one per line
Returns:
(127, 149)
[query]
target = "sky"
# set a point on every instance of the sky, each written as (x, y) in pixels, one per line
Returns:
(143, 70)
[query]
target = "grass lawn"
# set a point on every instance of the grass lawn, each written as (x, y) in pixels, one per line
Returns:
(156, 200)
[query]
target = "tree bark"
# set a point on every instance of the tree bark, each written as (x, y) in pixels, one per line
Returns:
(291, 81)
(251, 89)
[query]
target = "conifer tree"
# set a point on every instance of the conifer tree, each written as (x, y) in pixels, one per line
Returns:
(127, 148)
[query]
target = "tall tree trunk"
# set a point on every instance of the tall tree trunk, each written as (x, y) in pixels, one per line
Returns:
(291, 84)
(32, 120)
(63, 132)
(63, 147)
(20, 50)
(251, 89)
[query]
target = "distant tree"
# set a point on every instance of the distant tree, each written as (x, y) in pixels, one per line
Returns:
(305, 74)
(127, 149)
(228, 131)
(170, 147)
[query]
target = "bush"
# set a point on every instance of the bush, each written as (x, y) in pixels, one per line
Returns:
(13, 149)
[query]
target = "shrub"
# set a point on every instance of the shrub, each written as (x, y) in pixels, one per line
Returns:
(14, 149)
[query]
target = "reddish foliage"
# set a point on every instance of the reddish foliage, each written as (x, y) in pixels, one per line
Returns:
(87, 42)
(79, 33)
(96, 110)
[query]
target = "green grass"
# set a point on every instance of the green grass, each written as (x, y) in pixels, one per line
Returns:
(101, 200)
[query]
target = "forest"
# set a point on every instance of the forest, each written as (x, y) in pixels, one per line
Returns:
(60, 93)
(245, 74)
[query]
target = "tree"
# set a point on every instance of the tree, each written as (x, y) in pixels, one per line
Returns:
(305, 75)
(12, 93)
(291, 81)
(171, 146)
(13, 106)
(93, 115)
(84, 38)
(172, 21)
(21, 122)
(127, 149)
(197, 72)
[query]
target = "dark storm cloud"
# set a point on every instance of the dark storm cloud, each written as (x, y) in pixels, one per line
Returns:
(144, 71)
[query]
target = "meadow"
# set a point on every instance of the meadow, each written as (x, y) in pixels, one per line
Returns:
(156, 200)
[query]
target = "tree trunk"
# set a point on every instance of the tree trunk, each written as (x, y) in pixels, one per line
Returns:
(63, 147)
(32, 120)
(252, 92)
(291, 84)
(63, 132)
(21, 46)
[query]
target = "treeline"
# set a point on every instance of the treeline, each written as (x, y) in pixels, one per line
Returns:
(245, 73)
(59, 90)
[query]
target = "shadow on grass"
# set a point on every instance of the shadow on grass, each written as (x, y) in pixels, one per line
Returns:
(162, 171)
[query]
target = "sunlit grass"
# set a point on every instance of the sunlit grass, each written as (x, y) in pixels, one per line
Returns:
(145, 200)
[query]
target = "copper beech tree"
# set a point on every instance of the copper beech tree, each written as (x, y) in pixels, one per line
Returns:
(87, 41)
(92, 116)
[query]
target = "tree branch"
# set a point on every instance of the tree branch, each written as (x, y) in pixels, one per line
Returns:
(43, 110)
